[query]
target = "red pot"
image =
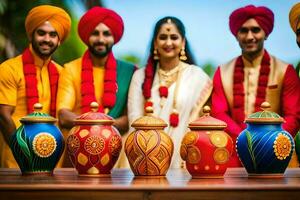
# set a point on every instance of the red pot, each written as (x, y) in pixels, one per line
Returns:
(93, 143)
(206, 148)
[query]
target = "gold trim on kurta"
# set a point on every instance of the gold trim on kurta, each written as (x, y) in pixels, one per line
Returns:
(275, 81)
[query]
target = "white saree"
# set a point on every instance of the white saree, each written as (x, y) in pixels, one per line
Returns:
(193, 91)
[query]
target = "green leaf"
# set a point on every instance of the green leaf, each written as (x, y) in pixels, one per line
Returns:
(22, 142)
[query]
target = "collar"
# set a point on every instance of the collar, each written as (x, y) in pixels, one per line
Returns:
(256, 62)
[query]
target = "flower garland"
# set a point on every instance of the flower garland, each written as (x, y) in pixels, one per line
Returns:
(87, 83)
(32, 95)
(163, 92)
(238, 87)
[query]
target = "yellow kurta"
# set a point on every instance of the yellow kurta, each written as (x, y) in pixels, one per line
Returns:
(13, 93)
(69, 87)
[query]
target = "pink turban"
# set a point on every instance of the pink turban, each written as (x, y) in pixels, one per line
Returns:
(97, 15)
(58, 18)
(263, 15)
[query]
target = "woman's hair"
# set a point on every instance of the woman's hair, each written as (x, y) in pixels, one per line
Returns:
(151, 63)
(181, 29)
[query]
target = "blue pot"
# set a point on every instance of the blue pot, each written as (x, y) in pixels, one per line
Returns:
(37, 144)
(264, 147)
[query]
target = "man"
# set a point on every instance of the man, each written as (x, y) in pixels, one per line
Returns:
(242, 84)
(294, 18)
(31, 77)
(97, 75)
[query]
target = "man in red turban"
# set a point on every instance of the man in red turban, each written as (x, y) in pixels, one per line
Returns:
(245, 82)
(31, 77)
(96, 76)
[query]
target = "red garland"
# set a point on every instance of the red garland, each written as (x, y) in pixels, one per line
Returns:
(87, 83)
(174, 119)
(148, 104)
(238, 87)
(32, 95)
(163, 91)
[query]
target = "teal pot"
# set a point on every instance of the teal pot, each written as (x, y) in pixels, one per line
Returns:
(297, 145)
(264, 148)
(37, 144)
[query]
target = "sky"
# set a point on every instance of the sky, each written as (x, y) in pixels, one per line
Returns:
(206, 24)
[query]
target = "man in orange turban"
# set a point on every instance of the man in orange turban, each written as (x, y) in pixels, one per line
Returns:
(245, 82)
(96, 76)
(32, 76)
(294, 18)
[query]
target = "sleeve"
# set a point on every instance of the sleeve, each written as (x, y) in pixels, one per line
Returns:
(220, 108)
(136, 100)
(290, 98)
(66, 95)
(8, 85)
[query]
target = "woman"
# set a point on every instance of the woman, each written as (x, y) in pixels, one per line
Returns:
(170, 83)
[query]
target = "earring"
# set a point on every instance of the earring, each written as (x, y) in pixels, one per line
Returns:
(182, 55)
(155, 55)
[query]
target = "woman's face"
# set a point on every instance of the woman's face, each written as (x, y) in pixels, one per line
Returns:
(169, 42)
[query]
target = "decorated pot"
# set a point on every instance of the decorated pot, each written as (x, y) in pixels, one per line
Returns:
(207, 148)
(264, 148)
(297, 145)
(93, 144)
(37, 144)
(149, 149)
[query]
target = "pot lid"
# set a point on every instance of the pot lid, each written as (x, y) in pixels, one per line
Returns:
(207, 122)
(265, 116)
(94, 117)
(37, 116)
(149, 121)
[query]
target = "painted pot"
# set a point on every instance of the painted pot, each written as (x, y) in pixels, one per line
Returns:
(37, 144)
(297, 145)
(93, 144)
(207, 148)
(264, 148)
(149, 149)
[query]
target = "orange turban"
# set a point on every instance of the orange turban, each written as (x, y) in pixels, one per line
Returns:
(97, 15)
(58, 18)
(263, 15)
(294, 17)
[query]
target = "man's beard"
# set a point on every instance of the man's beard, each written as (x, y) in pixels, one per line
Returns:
(37, 49)
(100, 54)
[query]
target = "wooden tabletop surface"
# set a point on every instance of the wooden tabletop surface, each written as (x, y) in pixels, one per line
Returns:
(122, 181)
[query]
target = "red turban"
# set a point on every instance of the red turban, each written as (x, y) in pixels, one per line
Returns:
(263, 15)
(58, 18)
(97, 15)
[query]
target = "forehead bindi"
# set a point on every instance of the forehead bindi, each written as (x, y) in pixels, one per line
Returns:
(168, 28)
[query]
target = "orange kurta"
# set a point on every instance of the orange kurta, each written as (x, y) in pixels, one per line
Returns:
(12, 92)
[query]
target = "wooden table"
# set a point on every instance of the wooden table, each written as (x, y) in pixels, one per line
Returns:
(178, 184)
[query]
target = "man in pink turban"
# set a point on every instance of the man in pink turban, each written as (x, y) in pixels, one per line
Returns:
(96, 76)
(245, 82)
(31, 77)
